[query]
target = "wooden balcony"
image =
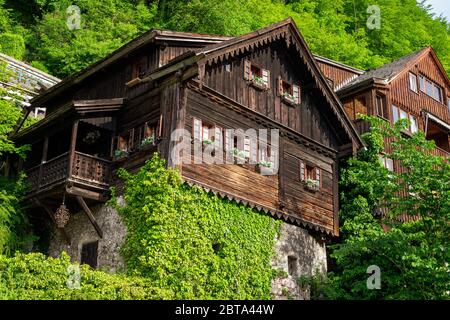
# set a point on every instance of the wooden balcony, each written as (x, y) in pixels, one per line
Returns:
(83, 171)
(440, 152)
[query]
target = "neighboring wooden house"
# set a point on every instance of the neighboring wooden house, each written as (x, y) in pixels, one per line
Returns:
(117, 112)
(415, 87)
(25, 81)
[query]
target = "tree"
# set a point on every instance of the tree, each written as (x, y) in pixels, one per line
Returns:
(413, 256)
(13, 224)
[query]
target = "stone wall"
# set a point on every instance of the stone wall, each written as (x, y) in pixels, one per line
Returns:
(81, 231)
(297, 253)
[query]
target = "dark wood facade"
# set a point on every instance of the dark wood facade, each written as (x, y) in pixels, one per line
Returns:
(131, 103)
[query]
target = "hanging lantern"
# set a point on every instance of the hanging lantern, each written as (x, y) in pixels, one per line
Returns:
(62, 215)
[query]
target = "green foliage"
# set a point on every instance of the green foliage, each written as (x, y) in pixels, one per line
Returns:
(14, 226)
(105, 26)
(413, 256)
(192, 243)
(37, 277)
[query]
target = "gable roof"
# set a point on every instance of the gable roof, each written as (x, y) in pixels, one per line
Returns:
(153, 35)
(390, 71)
(287, 30)
(338, 64)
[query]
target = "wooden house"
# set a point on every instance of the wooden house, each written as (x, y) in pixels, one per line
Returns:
(117, 112)
(415, 87)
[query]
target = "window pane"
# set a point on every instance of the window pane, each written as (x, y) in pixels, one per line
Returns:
(403, 114)
(413, 82)
(422, 83)
(394, 113)
(389, 164)
(414, 127)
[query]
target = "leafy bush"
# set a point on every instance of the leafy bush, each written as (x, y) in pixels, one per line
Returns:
(37, 277)
(194, 244)
(413, 256)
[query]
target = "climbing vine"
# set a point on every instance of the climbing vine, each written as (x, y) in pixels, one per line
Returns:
(191, 242)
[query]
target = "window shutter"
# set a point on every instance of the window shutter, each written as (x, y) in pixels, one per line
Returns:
(205, 133)
(280, 86)
(114, 146)
(160, 125)
(247, 147)
(266, 77)
(389, 164)
(148, 131)
(296, 93)
(122, 144)
(318, 178)
(271, 154)
(131, 139)
(254, 150)
(218, 136)
(196, 128)
(247, 70)
(302, 171)
(227, 144)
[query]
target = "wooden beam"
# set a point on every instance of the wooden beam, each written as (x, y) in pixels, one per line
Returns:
(90, 216)
(73, 143)
(336, 198)
(52, 217)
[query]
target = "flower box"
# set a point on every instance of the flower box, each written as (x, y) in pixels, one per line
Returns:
(265, 168)
(312, 185)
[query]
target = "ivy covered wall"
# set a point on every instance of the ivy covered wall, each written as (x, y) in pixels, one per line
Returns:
(192, 243)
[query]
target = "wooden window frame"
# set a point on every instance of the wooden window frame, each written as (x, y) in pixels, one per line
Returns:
(411, 81)
(409, 115)
(385, 160)
(384, 107)
(136, 72)
(310, 171)
(262, 80)
(425, 84)
(294, 96)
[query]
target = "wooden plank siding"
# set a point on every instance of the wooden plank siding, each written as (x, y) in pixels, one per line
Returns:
(307, 118)
(243, 182)
(335, 74)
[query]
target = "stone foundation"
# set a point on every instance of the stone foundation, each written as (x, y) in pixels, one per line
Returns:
(81, 231)
(297, 252)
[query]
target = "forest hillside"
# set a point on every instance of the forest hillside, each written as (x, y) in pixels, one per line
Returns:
(361, 33)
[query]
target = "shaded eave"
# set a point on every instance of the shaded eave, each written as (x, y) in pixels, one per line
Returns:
(338, 64)
(154, 35)
(78, 107)
(348, 89)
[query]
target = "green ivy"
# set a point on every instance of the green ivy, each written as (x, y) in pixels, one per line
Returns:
(37, 277)
(193, 243)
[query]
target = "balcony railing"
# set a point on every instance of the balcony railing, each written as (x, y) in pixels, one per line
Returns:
(440, 152)
(86, 169)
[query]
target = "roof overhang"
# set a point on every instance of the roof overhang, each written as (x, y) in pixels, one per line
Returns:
(441, 123)
(152, 36)
(78, 108)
